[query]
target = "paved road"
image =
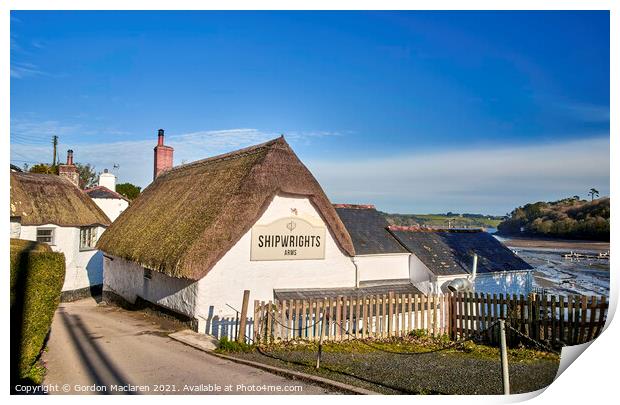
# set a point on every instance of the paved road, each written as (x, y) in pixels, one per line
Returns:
(93, 346)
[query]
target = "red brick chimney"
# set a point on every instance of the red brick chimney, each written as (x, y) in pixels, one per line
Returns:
(69, 170)
(162, 155)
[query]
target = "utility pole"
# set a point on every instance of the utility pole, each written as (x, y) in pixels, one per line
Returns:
(55, 143)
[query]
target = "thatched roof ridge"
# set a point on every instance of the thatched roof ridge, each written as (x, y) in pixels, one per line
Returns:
(50, 199)
(191, 215)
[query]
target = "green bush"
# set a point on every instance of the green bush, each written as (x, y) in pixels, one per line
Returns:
(37, 276)
(419, 333)
(226, 345)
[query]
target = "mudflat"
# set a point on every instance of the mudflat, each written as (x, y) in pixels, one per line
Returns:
(519, 242)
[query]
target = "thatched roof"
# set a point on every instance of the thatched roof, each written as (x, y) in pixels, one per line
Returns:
(449, 252)
(50, 199)
(191, 215)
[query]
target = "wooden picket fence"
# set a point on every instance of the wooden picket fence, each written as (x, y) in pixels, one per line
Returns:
(550, 319)
(556, 320)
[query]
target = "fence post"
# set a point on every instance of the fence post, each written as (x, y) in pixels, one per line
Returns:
(244, 316)
(320, 351)
(504, 356)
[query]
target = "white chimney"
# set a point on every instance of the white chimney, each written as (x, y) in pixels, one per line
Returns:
(107, 180)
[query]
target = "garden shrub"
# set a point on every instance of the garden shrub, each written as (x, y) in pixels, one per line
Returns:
(227, 345)
(37, 276)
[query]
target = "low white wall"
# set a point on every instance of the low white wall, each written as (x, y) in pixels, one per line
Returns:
(225, 283)
(83, 268)
(126, 279)
(420, 275)
(383, 267)
(112, 207)
(16, 229)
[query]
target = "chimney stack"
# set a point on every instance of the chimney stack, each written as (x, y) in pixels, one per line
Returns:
(69, 170)
(162, 155)
(107, 180)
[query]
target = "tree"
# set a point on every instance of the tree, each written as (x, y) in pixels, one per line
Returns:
(576, 198)
(43, 168)
(593, 192)
(128, 190)
(88, 177)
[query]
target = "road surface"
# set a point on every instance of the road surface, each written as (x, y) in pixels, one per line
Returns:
(108, 350)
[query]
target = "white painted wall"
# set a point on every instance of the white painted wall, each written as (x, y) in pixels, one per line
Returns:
(83, 268)
(383, 267)
(112, 207)
(126, 279)
(232, 274)
(225, 283)
(16, 229)
(420, 275)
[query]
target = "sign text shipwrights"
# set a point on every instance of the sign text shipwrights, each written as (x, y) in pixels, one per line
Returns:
(288, 239)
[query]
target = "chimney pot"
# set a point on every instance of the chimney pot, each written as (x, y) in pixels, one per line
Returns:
(69, 170)
(163, 155)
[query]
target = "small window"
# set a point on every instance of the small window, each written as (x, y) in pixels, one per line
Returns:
(147, 274)
(88, 237)
(45, 235)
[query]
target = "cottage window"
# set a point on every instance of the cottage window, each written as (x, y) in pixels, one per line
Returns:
(88, 237)
(45, 235)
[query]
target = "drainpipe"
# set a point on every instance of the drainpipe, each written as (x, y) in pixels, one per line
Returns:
(474, 269)
(357, 273)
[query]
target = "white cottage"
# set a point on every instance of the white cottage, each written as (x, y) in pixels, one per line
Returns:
(110, 202)
(51, 209)
(257, 219)
(203, 232)
(444, 260)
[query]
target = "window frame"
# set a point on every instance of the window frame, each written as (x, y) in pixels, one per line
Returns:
(92, 235)
(52, 235)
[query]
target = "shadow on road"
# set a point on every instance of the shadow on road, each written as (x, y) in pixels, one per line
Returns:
(97, 363)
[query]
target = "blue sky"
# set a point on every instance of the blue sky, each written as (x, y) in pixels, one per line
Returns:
(413, 111)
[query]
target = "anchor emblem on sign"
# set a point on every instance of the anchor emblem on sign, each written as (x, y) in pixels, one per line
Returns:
(291, 225)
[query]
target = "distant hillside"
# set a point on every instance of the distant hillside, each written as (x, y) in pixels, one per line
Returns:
(444, 220)
(569, 218)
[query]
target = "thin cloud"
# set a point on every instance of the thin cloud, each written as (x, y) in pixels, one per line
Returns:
(135, 158)
(490, 181)
(20, 70)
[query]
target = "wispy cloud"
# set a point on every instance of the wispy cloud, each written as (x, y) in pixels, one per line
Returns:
(494, 180)
(20, 70)
(591, 113)
(135, 157)
(474, 180)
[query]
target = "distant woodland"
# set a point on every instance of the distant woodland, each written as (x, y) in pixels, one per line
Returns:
(449, 219)
(570, 218)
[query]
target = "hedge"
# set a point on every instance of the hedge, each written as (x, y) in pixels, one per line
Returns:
(37, 276)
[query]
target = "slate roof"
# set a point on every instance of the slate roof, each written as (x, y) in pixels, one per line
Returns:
(104, 192)
(314, 293)
(449, 252)
(368, 230)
